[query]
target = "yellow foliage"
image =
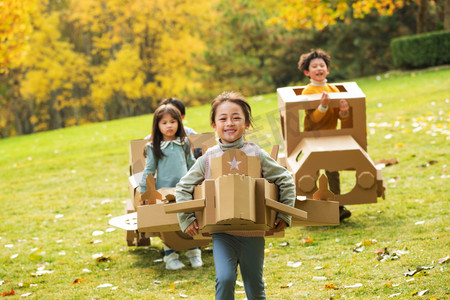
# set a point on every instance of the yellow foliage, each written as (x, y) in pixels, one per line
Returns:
(319, 14)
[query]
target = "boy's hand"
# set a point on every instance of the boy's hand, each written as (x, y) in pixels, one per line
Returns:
(325, 100)
(279, 225)
(192, 229)
(343, 106)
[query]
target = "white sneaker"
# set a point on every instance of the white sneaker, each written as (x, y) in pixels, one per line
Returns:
(195, 257)
(172, 262)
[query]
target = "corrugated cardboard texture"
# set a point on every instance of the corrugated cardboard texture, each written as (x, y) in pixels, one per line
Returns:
(235, 199)
(320, 212)
(234, 161)
(198, 140)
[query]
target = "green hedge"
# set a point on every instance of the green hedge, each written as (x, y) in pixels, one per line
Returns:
(422, 50)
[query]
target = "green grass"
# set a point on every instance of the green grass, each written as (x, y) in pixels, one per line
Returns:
(58, 187)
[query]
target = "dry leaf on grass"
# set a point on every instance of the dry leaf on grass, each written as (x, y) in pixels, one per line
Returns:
(286, 285)
(416, 271)
(386, 162)
(10, 293)
(394, 295)
(443, 259)
(104, 285)
(294, 264)
(417, 293)
(78, 280)
(322, 267)
(330, 286)
(356, 285)
(307, 240)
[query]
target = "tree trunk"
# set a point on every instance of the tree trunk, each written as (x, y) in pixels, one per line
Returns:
(422, 16)
(447, 15)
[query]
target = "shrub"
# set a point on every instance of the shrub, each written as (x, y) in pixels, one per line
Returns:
(422, 50)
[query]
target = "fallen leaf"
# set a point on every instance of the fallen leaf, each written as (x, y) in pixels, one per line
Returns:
(386, 162)
(104, 285)
(103, 258)
(10, 293)
(322, 267)
(183, 295)
(443, 259)
(421, 293)
(359, 249)
(330, 286)
(394, 295)
(416, 271)
(356, 285)
(286, 285)
(239, 283)
(388, 284)
(172, 286)
(307, 240)
(26, 295)
(284, 244)
(97, 233)
(78, 280)
(319, 278)
(294, 264)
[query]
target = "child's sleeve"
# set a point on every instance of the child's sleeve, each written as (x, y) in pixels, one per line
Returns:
(278, 175)
(150, 167)
(185, 188)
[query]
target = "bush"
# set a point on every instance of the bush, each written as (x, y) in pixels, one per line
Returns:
(422, 50)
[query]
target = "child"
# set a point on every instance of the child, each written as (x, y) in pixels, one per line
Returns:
(180, 106)
(230, 117)
(315, 65)
(169, 155)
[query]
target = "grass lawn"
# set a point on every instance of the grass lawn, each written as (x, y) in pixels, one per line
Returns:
(58, 189)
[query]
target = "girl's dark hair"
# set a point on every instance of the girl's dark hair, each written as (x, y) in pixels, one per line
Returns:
(157, 136)
(234, 97)
(305, 59)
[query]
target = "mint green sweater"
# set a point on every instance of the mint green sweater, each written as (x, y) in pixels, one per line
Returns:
(271, 171)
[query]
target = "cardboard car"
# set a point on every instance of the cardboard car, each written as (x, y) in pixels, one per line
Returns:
(308, 153)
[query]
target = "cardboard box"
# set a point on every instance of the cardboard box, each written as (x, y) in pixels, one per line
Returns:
(308, 152)
(202, 141)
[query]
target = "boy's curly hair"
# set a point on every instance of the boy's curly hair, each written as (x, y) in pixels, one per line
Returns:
(305, 59)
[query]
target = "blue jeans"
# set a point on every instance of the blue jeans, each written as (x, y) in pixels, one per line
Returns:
(248, 252)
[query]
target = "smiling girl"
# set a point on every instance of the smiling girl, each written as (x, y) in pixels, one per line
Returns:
(230, 117)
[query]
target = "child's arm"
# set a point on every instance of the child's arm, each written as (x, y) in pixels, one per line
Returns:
(150, 167)
(322, 109)
(185, 188)
(275, 173)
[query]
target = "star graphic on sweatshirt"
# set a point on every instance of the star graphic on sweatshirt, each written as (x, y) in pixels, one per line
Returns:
(234, 164)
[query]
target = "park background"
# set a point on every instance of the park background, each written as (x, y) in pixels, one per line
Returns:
(59, 188)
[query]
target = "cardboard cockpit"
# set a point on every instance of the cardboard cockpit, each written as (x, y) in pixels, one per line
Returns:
(309, 152)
